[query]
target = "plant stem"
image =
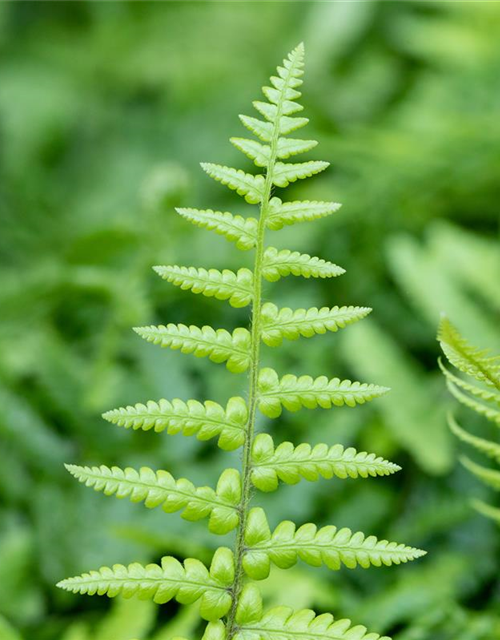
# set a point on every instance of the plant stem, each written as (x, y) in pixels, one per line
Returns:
(231, 627)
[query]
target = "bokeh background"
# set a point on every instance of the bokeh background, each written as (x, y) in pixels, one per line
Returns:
(106, 108)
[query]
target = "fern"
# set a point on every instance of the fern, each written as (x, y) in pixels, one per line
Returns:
(229, 601)
(482, 395)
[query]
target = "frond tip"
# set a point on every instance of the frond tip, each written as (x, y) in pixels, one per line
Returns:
(294, 392)
(290, 464)
(205, 420)
(217, 344)
(185, 583)
(161, 489)
(329, 546)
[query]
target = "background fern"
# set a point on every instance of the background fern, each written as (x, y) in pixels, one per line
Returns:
(89, 181)
(479, 390)
(232, 605)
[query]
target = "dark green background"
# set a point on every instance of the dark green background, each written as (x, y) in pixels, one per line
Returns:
(106, 108)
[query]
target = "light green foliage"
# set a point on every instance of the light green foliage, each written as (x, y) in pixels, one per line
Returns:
(217, 344)
(482, 396)
(291, 324)
(328, 545)
(289, 464)
(161, 489)
(294, 392)
(206, 420)
(232, 604)
(223, 285)
(278, 264)
(185, 583)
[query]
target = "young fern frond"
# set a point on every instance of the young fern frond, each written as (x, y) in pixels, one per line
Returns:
(329, 546)
(160, 488)
(207, 420)
(291, 464)
(231, 603)
(482, 396)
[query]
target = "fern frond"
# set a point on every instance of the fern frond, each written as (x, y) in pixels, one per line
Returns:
(263, 130)
(260, 153)
(286, 213)
(283, 623)
(241, 231)
(217, 344)
(488, 447)
(490, 477)
(472, 403)
(329, 546)
(291, 324)
(206, 420)
(289, 464)
(278, 264)
(161, 489)
(185, 583)
(484, 394)
(245, 184)
(466, 358)
(237, 288)
(286, 172)
(294, 393)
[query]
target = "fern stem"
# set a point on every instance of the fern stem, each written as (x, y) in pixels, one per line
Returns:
(231, 627)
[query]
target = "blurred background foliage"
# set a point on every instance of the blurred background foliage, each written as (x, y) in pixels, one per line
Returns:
(105, 111)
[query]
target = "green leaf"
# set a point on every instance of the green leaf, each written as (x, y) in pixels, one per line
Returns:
(242, 231)
(185, 583)
(263, 130)
(487, 510)
(215, 631)
(287, 213)
(472, 403)
(468, 359)
(289, 464)
(161, 489)
(488, 447)
(246, 185)
(490, 477)
(282, 263)
(282, 623)
(328, 545)
(217, 344)
(237, 288)
(287, 147)
(484, 394)
(291, 324)
(206, 420)
(284, 173)
(294, 393)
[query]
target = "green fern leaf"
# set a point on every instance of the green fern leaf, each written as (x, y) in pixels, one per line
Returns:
(490, 477)
(161, 489)
(287, 213)
(328, 545)
(286, 172)
(185, 583)
(259, 153)
(282, 623)
(218, 345)
(223, 285)
(241, 231)
(263, 130)
(484, 394)
(245, 184)
(291, 324)
(289, 464)
(466, 358)
(472, 403)
(287, 147)
(206, 420)
(489, 448)
(278, 264)
(294, 393)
